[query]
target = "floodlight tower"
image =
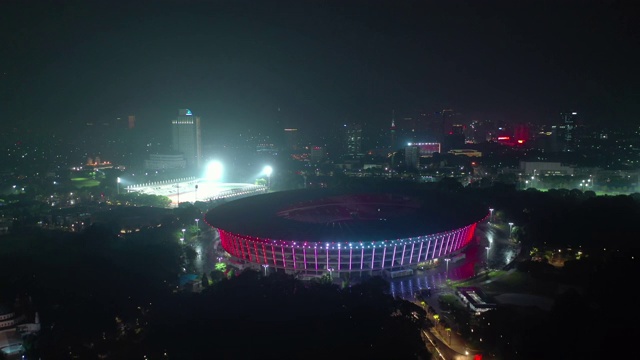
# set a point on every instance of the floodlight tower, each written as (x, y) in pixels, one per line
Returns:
(268, 170)
(214, 171)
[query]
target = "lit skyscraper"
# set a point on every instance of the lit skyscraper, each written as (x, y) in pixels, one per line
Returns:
(568, 125)
(353, 134)
(185, 130)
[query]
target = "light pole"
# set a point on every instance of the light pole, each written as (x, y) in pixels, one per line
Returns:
(197, 220)
(447, 262)
(487, 255)
(265, 266)
(491, 215)
(330, 273)
(183, 230)
(268, 170)
(195, 198)
(510, 228)
(118, 185)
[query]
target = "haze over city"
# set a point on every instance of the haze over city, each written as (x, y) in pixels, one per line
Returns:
(311, 64)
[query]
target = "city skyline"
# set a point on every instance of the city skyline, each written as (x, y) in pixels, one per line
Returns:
(315, 65)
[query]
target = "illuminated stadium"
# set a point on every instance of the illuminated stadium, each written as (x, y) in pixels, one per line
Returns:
(320, 230)
(193, 189)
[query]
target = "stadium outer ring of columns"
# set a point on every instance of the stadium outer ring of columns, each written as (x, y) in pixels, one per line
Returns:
(320, 230)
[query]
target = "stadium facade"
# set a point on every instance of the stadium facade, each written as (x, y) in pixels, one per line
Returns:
(319, 231)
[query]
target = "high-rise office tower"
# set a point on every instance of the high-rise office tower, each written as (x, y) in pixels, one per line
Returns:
(291, 140)
(412, 156)
(568, 124)
(353, 134)
(185, 130)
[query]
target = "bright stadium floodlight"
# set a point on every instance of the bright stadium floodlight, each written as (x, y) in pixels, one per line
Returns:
(214, 171)
(268, 170)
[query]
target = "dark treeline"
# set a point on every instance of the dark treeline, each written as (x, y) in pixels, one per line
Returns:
(279, 317)
(80, 283)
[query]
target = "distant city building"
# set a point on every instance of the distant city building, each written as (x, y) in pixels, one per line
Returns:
(266, 148)
(567, 129)
(427, 149)
(353, 139)
(292, 140)
(165, 162)
(547, 139)
(543, 168)
(455, 139)
(457, 129)
(466, 152)
(412, 157)
(317, 154)
(186, 137)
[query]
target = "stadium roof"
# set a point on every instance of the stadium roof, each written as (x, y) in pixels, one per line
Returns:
(330, 215)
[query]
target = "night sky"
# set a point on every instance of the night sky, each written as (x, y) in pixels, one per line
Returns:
(235, 63)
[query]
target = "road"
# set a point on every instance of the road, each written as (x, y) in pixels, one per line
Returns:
(501, 253)
(204, 245)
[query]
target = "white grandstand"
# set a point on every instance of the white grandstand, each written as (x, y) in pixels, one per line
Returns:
(195, 189)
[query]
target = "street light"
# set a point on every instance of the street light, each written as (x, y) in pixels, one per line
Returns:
(510, 228)
(183, 230)
(265, 266)
(330, 273)
(197, 220)
(486, 247)
(491, 215)
(447, 262)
